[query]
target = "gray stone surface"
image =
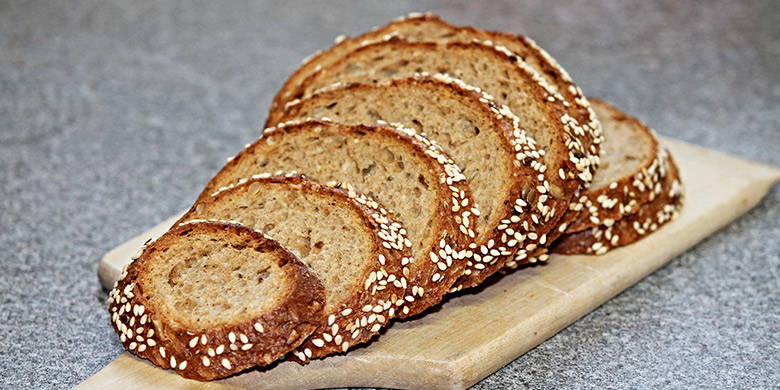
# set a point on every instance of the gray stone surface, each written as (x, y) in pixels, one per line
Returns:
(113, 115)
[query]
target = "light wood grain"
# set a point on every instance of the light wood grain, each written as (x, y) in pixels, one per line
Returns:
(475, 334)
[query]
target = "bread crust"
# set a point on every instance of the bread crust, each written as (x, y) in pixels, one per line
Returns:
(444, 262)
(212, 353)
(631, 228)
(386, 286)
(527, 213)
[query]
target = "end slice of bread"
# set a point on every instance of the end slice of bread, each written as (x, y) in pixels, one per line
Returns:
(209, 299)
(401, 169)
(503, 166)
(350, 242)
(633, 168)
(631, 228)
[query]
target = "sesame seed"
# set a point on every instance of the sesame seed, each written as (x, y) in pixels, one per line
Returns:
(206, 362)
(226, 364)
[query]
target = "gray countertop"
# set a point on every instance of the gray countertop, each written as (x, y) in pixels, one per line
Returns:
(112, 116)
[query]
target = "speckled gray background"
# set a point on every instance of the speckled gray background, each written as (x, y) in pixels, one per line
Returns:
(112, 116)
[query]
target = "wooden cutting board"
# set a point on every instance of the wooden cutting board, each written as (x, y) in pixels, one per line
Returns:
(475, 334)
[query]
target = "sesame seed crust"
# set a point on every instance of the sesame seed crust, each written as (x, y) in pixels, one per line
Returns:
(631, 228)
(378, 292)
(147, 332)
(453, 224)
(525, 215)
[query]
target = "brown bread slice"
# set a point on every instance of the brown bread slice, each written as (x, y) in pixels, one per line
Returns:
(399, 168)
(631, 228)
(632, 170)
(347, 239)
(502, 165)
(491, 68)
(631, 174)
(210, 299)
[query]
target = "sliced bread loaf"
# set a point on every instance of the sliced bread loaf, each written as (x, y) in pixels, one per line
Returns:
(631, 228)
(348, 240)
(210, 299)
(402, 170)
(502, 165)
(632, 170)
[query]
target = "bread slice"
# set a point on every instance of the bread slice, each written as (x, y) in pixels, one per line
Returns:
(348, 240)
(631, 228)
(491, 68)
(399, 168)
(633, 167)
(631, 174)
(209, 299)
(428, 27)
(502, 165)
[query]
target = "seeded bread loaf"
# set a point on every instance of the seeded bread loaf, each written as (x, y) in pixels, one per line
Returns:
(210, 299)
(502, 165)
(399, 168)
(632, 170)
(631, 228)
(347, 239)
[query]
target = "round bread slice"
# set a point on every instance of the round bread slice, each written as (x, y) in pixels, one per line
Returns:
(402, 170)
(494, 69)
(503, 166)
(632, 170)
(631, 228)
(210, 299)
(347, 239)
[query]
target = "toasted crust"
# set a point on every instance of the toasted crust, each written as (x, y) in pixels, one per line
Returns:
(631, 228)
(206, 354)
(623, 195)
(386, 282)
(528, 211)
(443, 263)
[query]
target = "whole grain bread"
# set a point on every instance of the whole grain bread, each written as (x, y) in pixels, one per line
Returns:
(350, 242)
(502, 165)
(399, 168)
(209, 299)
(630, 228)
